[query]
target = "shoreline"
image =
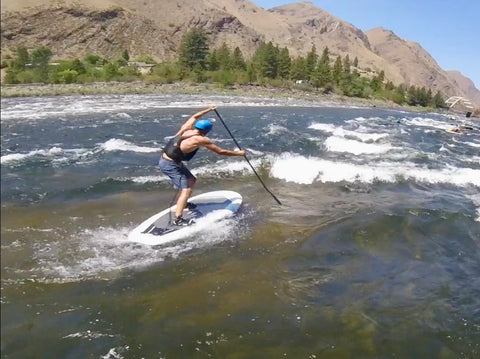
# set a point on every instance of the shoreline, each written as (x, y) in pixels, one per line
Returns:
(138, 87)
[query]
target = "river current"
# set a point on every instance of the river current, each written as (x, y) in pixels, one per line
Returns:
(374, 252)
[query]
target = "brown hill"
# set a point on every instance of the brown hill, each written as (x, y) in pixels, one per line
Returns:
(74, 28)
(466, 84)
(416, 66)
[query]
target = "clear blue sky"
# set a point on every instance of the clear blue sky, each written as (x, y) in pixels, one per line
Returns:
(449, 30)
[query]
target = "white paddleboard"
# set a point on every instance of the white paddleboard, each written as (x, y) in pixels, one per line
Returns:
(211, 207)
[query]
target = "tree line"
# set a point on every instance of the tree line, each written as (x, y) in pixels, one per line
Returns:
(269, 65)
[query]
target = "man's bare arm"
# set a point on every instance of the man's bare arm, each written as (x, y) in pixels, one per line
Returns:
(188, 125)
(221, 151)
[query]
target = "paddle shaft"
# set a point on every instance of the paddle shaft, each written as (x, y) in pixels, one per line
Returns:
(245, 156)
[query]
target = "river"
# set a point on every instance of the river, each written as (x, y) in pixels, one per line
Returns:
(374, 252)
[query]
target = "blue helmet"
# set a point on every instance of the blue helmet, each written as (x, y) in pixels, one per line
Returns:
(203, 125)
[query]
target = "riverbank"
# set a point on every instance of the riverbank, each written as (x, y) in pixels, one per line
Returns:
(268, 92)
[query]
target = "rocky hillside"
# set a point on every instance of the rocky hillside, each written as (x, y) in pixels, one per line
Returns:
(74, 28)
(417, 67)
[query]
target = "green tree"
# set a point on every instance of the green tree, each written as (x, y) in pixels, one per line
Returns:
(376, 83)
(212, 61)
(109, 71)
(40, 58)
(389, 86)
(325, 58)
(224, 57)
(125, 55)
(23, 58)
(355, 62)
(194, 50)
(94, 60)
(299, 69)
(346, 65)
(399, 95)
(67, 76)
(438, 100)
(322, 76)
(251, 73)
(284, 63)
(311, 61)
(423, 97)
(265, 60)
(78, 66)
(412, 96)
(337, 70)
(238, 61)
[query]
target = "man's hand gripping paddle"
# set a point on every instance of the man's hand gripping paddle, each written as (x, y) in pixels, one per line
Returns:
(245, 156)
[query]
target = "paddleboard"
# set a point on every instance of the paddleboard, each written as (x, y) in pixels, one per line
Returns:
(210, 208)
(453, 130)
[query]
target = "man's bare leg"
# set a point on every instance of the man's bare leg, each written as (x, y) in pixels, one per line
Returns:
(183, 198)
(182, 201)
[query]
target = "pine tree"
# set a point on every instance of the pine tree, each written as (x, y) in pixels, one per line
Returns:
(224, 57)
(213, 64)
(346, 65)
(265, 59)
(23, 58)
(40, 58)
(194, 50)
(412, 98)
(337, 70)
(299, 69)
(322, 76)
(284, 64)
(438, 100)
(355, 62)
(325, 59)
(311, 61)
(238, 62)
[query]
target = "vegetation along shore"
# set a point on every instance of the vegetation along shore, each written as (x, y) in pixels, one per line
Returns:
(271, 72)
(307, 94)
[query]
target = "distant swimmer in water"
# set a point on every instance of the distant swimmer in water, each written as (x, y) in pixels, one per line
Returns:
(182, 147)
(461, 129)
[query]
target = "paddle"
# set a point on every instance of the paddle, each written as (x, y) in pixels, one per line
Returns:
(245, 156)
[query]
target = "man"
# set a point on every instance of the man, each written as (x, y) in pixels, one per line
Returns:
(182, 147)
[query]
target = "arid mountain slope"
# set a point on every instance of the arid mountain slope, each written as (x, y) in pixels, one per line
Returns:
(416, 66)
(74, 28)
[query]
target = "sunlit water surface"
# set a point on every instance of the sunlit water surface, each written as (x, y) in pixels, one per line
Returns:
(375, 252)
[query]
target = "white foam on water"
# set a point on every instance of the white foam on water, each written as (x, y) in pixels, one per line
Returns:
(472, 144)
(221, 167)
(362, 133)
(339, 144)
(116, 353)
(67, 106)
(274, 129)
(59, 155)
(324, 127)
(147, 179)
(105, 252)
(360, 141)
(303, 170)
(225, 166)
(122, 115)
(55, 153)
(116, 144)
(428, 122)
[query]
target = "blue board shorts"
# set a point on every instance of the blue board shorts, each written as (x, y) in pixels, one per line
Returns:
(177, 172)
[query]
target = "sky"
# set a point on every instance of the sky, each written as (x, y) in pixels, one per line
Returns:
(449, 30)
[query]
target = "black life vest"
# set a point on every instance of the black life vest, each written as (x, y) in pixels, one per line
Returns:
(172, 150)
